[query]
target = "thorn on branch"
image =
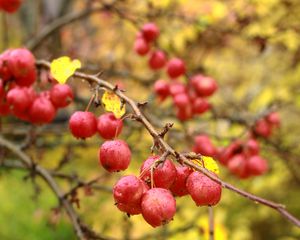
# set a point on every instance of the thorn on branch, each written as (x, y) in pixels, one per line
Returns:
(167, 127)
(142, 104)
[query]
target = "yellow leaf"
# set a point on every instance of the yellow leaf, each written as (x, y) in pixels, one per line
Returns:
(62, 68)
(209, 163)
(112, 103)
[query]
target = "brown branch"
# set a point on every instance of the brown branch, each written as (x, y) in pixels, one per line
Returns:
(50, 181)
(36, 41)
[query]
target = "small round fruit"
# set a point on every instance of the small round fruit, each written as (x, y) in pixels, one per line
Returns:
(61, 95)
(10, 6)
(263, 128)
(109, 126)
(158, 206)
(204, 86)
(164, 174)
(27, 80)
(19, 99)
(42, 111)
(204, 146)
(161, 88)
(203, 190)
(257, 165)
(175, 68)
(157, 60)
(252, 147)
(128, 190)
(238, 166)
(5, 73)
(177, 88)
(141, 47)
(83, 124)
(181, 100)
(200, 105)
(274, 119)
(150, 32)
(178, 188)
(114, 155)
(184, 114)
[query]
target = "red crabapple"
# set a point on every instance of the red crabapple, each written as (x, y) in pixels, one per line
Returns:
(19, 99)
(252, 147)
(5, 72)
(238, 166)
(274, 119)
(150, 32)
(158, 206)
(178, 188)
(28, 79)
(181, 100)
(109, 126)
(61, 95)
(42, 111)
(175, 68)
(200, 105)
(83, 124)
(204, 146)
(157, 60)
(161, 88)
(114, 155)
(257, 165)
(184, 114)
(204, 86)
(263, 128)
(203, 190)
(10, 6)
(141, 46)
(177, 88)
(164, 174)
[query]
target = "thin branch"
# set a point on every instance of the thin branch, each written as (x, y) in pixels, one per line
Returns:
(211, 224)
(166, 147)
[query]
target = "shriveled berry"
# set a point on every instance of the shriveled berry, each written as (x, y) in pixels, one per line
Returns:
(83, 124)
(158, 206)
(203, 190)
(114, 155)
(109, 126)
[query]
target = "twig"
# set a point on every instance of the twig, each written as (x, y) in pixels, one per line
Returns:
(211, 223)
(166, 147)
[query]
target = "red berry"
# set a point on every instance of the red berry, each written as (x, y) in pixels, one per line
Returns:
(61, 95)
(177, 88)
(21, 62)
(263, 128)
(128, 190)
(114, 155)
(150, 32)
(238, 166)
(204, 146)
(164, 174)
(83, 124)
(200, 105)
(10, 6)
(109, 126)
(257, 165)
(158, 206)
(27, 80)
(19, 99)
(252, 147)
(157, 60)
(184, 114)
(178, 188)
(204, 86)
(227, 153)
(161, 88)
(203, 190)
(5, 72)
(2, 90)
(141, 46)
(131, 209)
(181, 100)
(274, 119)
(175, 67)
(42, 111)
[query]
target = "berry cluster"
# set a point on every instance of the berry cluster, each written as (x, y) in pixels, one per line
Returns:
(18, 96)
(152, 193)
(10, 6)
(189, 99)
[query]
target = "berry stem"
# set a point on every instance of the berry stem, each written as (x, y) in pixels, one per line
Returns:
(90, 103)
(211, 223)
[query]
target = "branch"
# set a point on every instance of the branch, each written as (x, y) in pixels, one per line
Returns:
(167, 148)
